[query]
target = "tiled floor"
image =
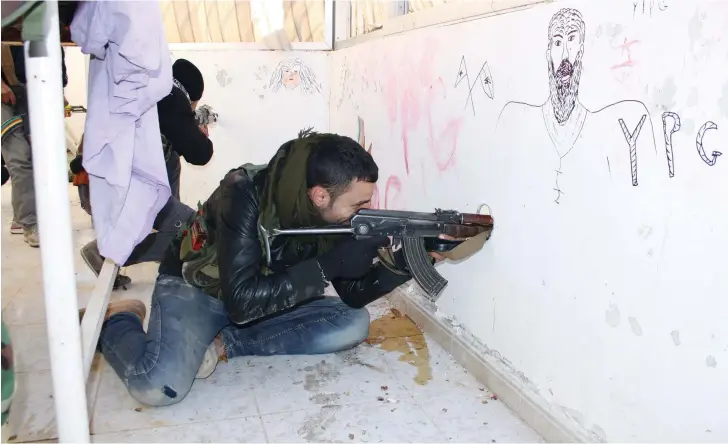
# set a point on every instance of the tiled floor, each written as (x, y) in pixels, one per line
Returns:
(362, 395)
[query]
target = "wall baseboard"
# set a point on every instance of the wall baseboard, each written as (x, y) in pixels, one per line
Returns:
(511, 387)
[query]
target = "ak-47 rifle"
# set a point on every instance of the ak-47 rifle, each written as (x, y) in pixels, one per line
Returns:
(205, 115)
(416, 233)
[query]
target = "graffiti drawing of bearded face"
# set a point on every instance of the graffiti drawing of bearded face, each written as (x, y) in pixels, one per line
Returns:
(564, 56)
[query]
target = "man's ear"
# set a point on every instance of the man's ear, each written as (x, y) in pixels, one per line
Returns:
(319, 196)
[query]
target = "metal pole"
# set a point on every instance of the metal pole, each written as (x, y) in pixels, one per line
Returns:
(45, 100)
(93, 318)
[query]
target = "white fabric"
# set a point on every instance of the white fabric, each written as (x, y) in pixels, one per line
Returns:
(129, 72)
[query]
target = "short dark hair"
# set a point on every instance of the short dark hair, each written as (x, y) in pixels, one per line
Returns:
(336, 161)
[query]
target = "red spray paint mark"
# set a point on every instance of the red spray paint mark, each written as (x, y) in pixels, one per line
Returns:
(361, 138)
(625, 47)
(410, 100)
(375, 198)
(443, 146)
(395, 185)
(403, 95)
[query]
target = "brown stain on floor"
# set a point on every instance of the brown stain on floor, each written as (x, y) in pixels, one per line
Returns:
(397, 333)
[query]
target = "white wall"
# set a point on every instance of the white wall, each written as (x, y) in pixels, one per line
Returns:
(75, 92)
(254, 120)
(613, 301)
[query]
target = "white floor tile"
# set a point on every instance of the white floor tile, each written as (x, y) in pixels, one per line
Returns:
(30, 345)
(467, 418)
(221, 396)
(229, 430)
(286, 383)
(378, 422)
(32, 413)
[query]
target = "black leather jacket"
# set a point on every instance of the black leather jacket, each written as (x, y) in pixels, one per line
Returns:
(231, 216)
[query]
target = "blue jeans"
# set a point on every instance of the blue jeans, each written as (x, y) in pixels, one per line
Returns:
(158, 367)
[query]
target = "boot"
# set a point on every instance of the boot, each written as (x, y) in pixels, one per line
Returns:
(90, 254)
(133, 306)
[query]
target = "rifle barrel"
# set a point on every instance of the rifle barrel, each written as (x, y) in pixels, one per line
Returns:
(304, 231)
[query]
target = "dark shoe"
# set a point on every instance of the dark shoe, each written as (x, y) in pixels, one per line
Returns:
(121, 281)
(90, 254)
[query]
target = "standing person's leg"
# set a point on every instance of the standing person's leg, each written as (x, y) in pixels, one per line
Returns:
(325, 325)
(174, 172)
(19, 162)
(153, 247)
(158, 367)
(84, 197)
(173, 216)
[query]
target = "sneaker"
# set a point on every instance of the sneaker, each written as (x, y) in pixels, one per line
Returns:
(133, 306)
(30, 233)
(90, 254)
(16, 228)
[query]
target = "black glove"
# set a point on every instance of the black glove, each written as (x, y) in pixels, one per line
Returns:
(76, 164)
(351, 259)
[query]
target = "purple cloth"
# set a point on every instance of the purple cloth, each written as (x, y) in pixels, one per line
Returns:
(130, 71)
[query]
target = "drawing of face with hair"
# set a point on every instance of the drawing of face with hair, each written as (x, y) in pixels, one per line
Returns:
(564, 59)
(293, 73)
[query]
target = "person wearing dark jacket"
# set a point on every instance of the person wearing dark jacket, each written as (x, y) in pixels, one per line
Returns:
(181, 134)
(217, 297)
(183, 137)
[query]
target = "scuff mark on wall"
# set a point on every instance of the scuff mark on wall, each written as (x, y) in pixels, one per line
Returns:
(723, 101)
(710, 361)
(223, 79)
(675, 335)
(612, 316)
(664, 97)
(635, 326)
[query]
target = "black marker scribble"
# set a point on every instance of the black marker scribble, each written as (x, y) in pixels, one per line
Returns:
(647, 6)
(609, 167)
(632, 142)
(484, 78)
(557, 188)
(699, 144)
(668, 138)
